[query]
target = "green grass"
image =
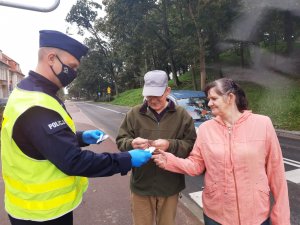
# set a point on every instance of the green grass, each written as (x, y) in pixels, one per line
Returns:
(129, 98)
(230, 57)
(186, 82)
(282, 105)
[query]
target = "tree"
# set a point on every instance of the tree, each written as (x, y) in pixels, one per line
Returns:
(84, 14)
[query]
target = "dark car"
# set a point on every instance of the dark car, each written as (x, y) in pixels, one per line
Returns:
(195, 102)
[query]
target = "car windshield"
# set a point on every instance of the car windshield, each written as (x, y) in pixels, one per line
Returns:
(196, 107)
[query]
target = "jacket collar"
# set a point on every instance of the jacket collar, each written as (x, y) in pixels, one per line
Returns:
(242, 118)
(144, 108)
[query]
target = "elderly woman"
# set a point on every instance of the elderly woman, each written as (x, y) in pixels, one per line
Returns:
(242, 160)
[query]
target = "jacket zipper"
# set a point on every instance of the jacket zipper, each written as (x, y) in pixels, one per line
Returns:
(233, 173)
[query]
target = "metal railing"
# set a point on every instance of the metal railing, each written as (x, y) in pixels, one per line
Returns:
(31, 7)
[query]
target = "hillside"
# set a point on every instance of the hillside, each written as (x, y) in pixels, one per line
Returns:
(279, 99)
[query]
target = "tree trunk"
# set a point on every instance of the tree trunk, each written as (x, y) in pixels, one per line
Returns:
(242, 54)
(114, 80)
(202, 65)
(173, 69)
(275, 49)
(194, 75)
(201, 49)
(169, 44)
(288, 31)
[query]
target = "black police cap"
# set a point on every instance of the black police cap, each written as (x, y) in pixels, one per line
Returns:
(56, 39)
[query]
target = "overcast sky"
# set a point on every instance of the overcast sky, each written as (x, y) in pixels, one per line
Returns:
(19, 31)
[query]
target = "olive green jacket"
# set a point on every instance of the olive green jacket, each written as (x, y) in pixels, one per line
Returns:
(177, 127)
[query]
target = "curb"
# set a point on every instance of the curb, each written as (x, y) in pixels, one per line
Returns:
(288, 134)
(196, 210)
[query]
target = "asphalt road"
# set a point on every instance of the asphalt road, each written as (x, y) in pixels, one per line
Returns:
(108, 117)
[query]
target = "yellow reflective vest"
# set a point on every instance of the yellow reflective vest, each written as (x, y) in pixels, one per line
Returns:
(35, 189)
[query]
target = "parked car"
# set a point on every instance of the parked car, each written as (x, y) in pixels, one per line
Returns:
(195, 102)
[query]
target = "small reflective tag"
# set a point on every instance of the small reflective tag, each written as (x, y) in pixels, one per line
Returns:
(102, 138)
(150, 149)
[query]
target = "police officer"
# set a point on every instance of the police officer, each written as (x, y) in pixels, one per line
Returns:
(43, 166)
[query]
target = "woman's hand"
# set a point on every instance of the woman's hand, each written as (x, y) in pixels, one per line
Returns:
(160, 158)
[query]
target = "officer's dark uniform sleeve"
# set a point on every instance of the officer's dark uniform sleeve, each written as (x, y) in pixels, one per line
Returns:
(45, 131)
(79, 139)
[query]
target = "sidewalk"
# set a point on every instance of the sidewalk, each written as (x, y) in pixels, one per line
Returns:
(107, 200)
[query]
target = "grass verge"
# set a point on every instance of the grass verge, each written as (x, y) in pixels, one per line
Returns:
(282, 105)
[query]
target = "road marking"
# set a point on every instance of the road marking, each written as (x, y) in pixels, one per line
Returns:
(197, 197)
(291, 162)
(293, 176)
(107, 109)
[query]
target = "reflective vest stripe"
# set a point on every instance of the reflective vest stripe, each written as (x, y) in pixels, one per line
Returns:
(39, 188)
(43, 202)
(42, 205)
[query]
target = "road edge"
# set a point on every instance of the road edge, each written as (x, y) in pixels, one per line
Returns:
(196, 210)
(288, 134)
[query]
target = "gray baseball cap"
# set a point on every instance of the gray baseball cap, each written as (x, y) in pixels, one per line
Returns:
(156, 82)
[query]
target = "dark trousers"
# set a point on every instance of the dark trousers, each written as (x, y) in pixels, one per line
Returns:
(209, 221)
(66, 219)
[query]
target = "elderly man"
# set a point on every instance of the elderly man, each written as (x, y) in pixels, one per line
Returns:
(160, 124)
(43, 166)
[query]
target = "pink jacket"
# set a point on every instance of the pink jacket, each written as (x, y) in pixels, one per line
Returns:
(242, 166)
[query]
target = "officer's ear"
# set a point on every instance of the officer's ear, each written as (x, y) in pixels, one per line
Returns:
(51, 57)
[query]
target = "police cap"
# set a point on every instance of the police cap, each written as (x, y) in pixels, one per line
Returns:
(56, 39)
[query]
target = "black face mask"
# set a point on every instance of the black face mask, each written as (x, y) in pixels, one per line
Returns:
(67, 74)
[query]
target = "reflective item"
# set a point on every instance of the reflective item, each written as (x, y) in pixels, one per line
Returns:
(150, 149)
(102, 138)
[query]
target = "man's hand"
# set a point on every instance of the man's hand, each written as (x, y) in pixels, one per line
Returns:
(91, 136)
(139, 157)
(140, 143)
(161, 144)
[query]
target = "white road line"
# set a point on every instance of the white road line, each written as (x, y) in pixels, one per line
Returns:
(197, 197)
(106, 109)
(291, 162)
(293, 176)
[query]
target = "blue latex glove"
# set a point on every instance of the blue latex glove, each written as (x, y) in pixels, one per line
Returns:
(139, 157)
(91, 136)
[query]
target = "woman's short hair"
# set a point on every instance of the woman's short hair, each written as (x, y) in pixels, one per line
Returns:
(225, 86)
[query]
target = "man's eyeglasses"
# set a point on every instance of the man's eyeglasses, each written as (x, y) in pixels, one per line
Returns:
(154, 97)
